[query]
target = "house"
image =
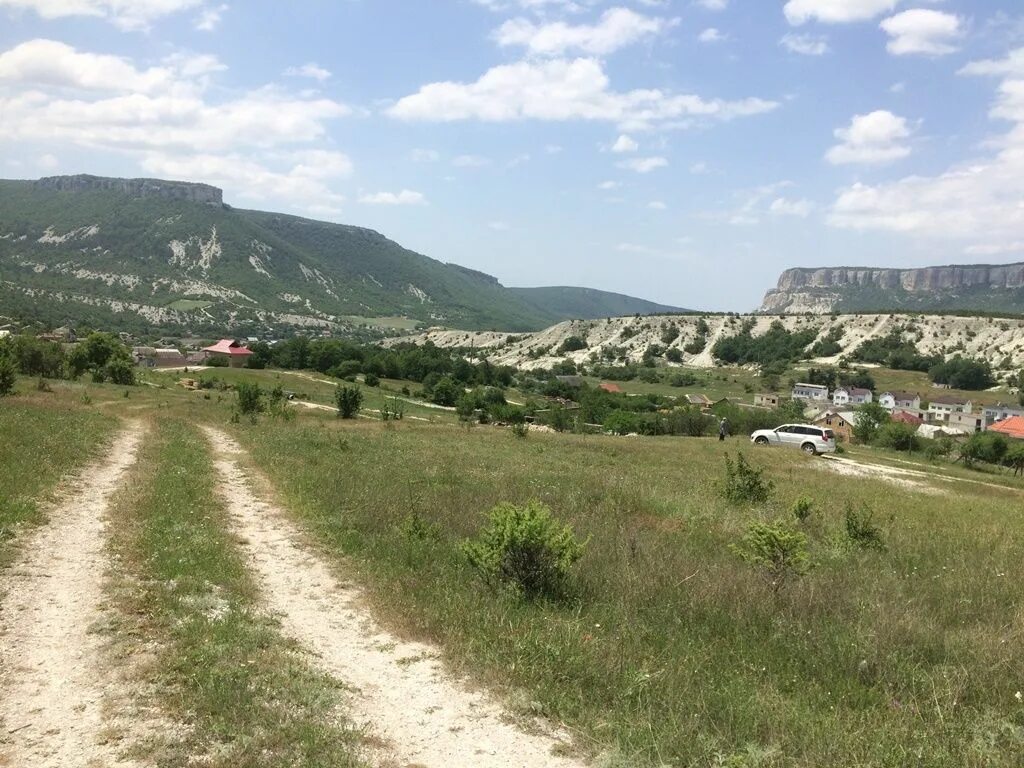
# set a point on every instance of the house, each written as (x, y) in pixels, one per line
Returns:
(851, 396)
(1011, 427)
(906, 417)
(812, 392)
(935, 431)
(840, 422)
(151, 357)
(940, 408)
(62, 335)
(766, 401)
(572, 381)
(906, 400)
(992, 413)
(230, 350)
(609, 386)
(969, 422)
(701, 401)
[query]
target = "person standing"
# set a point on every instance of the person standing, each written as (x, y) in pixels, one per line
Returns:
(723, 429)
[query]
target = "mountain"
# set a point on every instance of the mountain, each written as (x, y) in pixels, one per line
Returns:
(973, 287)
(567, 303)
(150, 254)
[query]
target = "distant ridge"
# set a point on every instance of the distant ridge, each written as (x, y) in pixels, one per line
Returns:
(569, 303)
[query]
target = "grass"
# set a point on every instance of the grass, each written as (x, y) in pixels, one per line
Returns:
(42, 439)
(188, 305)
(242, 696)
(673, 650)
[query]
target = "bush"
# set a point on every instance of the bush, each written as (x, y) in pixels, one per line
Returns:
(744, 483)
(348, 400)
(781, 553)
(445, 392)
(216, 361)
(803, 508)
(8, 374)
(862, 531)
(392, 409)
(674, 355)
(988, 447)
(121, 372)
(525, 549)
(250, 398)
(897, 437)
(572, 344)
(371, 380)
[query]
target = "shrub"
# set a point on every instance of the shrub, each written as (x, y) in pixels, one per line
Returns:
(862, 531)
(744, 483)
(525, 549)
(803, 508)
(8, 375)
(898, 437)
(216, 361)
(520, 429)
(371, 380)
(445, 392)
(674, 355)
(782, 554)
(121, 372)
(572, 344)
(348, 400)
(392, 409)
(250, 398)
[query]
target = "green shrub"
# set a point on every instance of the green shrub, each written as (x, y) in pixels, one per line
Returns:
(392, 409)
(745, 483)
(121, 372)
(8, 375)
(371, 380)
(524, 549)
(780, 553)
(520, 429)
(862, 531)
(898, 437)
(250, 397)
(803, 508)
(216, 361)
(572, 344)
(348, 400)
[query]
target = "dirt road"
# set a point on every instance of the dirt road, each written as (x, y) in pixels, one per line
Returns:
(401, 691)
(52, 670)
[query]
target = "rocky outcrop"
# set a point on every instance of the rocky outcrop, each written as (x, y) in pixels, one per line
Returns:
(821, 290)
(168, 190)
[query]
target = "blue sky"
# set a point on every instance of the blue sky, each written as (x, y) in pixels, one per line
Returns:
(685, 151)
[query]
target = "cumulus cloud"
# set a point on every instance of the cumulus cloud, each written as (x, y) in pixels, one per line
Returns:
(922, 31)
(806, 45)
(625, 144)
(471, 161)
(713, 5)
(617, 28)
(782, 206)
(561, 90)
(405, 197)
(979, 203)
(425, 155)
(644, 164)
(311, 70)
(874, 138)
(126, 14)
(209, 18)
(657, 205)
(608, 185)
(711, 35)
(835, 11)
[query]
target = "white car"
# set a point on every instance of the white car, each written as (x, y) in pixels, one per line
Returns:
(806, 437)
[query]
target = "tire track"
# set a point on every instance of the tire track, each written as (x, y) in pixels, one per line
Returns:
(52, 689)
(401, 692)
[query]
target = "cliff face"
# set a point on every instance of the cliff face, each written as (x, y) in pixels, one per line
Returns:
(168, 190)
(822, 290)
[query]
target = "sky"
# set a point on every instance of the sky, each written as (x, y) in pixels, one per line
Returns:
(684, 151)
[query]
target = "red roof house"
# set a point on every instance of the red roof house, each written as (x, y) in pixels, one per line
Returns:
(907, 418)
(608, 386)
(228, 349)
(1011, 427)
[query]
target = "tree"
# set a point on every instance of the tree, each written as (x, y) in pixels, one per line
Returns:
(8, 375)
(867, 420)
(963, 373)
(250, 398)
(348, 400)
(781, 553)
(445, 392)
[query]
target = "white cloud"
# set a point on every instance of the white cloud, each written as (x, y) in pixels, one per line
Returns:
(699, 168)
(209, 18)
(782, 206)
(657, 205)
(310, 70)
(499, 226)
(559, 90)
(617, 28)
(608, 185)
(978, 204)
(873, 138)
(711, 35)
(806, 45)
(48, 162)
(644, 164)
(126, 14)
(471, 161)
(552, 149)
(922, 31)
(625, 144)
(835, 11)
(405, 197)
(713, 5)
(425, 155)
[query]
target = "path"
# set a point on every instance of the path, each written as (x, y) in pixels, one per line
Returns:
(51, 689)
(914, 479)
(402, 693)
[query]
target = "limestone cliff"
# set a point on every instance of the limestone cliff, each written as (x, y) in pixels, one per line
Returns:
(981, 287)
(168, 190)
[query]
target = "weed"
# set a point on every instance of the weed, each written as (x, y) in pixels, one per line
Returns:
(782, 554)
(803, 508)
(520, 430)
(861, 529)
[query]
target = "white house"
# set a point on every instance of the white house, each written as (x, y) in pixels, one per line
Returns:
(902, 400)
(940, 408)
(813, 392)
(999, 412)
(851, 396)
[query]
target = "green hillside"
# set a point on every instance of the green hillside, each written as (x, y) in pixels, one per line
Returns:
(568, 303)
